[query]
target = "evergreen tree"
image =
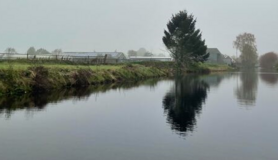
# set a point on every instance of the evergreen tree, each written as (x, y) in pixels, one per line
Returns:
(183, 41)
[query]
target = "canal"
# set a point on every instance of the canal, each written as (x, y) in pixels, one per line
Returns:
(222, 116)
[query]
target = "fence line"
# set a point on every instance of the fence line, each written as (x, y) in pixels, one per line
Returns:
(87, 59)
(106, 59)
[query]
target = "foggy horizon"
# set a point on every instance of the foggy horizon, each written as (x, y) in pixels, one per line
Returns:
(129, 25)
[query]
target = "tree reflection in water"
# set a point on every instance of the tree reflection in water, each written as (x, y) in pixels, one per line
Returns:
(184, 102)
(270, 79)
(246, 92)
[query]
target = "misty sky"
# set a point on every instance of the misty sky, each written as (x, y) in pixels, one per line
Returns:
(109, 25)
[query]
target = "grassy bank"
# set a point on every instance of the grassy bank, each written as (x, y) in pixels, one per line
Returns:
(17, 77)
(207, 68)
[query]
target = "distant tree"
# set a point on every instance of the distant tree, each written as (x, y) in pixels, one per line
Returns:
(31, 51)
(148, 54)
(10, 50)
(141, 52)
(268, 60)
(245, 39)
(57, 52)
(42, 51)
(236, 59)
(131, 53)
(248, 56)
(183, 41)
(246, 44)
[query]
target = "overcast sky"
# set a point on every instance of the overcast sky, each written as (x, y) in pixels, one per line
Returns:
(109, 25)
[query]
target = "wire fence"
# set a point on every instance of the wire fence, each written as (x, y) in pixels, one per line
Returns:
(73, 58)
(106, 59)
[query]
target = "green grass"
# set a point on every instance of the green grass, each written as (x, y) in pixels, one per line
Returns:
(208, 67)
(27, 76)
(19, 77)
(24, 66)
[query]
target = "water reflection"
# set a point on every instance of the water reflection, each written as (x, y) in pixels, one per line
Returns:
(268, 78)
(38, 102)
(184, 102)
(214, 80)
(247, 88)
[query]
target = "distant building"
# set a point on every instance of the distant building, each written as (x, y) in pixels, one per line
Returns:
(215, 56)
(12, 56)
(143, 58)
(227, 60)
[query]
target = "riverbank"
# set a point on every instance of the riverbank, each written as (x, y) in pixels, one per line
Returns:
(22, 77)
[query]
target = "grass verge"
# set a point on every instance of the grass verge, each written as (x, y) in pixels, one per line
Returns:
(17, 77)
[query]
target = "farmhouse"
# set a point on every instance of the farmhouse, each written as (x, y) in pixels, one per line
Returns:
(227, 60)
(215, 56)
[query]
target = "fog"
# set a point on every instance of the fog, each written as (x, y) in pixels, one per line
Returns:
(109, 25)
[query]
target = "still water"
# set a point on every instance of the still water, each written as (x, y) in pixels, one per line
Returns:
(231, 116)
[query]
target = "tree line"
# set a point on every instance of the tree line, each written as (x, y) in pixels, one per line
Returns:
(33, 51)
(143, 52)
(246, 44)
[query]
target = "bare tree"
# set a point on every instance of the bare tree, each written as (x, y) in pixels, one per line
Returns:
(131, 53)
(57, 52)
(148, 54)
(245, 39)
(246, 44)
(10, 50)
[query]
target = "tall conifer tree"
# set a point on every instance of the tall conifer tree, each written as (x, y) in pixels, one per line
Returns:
(183, 41)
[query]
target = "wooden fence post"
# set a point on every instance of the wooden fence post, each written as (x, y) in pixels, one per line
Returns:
(105, 58)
